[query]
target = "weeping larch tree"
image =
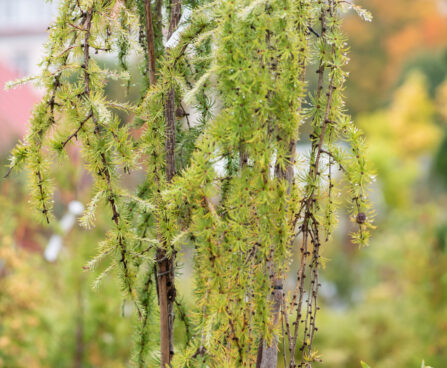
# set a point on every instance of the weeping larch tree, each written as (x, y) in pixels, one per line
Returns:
(226, 87)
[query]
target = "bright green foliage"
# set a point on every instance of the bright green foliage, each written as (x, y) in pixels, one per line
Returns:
(242, 198)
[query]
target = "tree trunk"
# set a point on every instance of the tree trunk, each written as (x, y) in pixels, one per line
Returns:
(268, 353)
(166, 266)
(150, 43)
(166, 292)
(166, 286)
(165, 274)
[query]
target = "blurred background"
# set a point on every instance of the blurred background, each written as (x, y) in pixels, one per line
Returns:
(385, 304)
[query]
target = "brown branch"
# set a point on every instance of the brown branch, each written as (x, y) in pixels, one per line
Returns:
(325, 124)
(166, 282)
(185, 46)
(78, 28)
(235, 338)
(44, 207)
(66, 50)
(75, 134)
(310, 224)
(309, 220)
(330, 154)
(176, 12)
(184, 319)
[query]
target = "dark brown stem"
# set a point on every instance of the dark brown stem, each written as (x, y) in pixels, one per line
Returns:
(331, 155)
(170, 134)
(75, 134)
(310, 226)
(166, 265)
(269, 351)
(176, 12)
(166, 298)
(150, 43)
(164, 277)
(185, 46)
(184, 319)
(44, 207)
(324, 127)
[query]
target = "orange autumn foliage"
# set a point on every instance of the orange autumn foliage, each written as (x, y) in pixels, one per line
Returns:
(401, 29)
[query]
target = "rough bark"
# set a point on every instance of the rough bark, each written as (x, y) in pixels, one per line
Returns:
(166, 292)
(166, 265)
(170, 134)
(166, 285)
(150, 43)
(268, 353)
(176, 10)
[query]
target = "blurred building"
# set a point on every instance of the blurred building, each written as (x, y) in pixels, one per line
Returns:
(15, 109)
(23, 32)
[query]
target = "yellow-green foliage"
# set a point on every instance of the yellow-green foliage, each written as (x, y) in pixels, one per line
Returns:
(399, 135)
(239, 199)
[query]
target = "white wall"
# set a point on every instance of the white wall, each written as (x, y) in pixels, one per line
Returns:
(25, 14)
(23, 30)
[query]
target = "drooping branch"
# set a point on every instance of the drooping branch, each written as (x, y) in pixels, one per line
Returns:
(75, 133)
(235, 189)
(103, 173)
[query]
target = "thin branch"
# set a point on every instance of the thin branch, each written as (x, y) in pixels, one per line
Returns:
(104, 173)
(75, 134)
(330, 154)
(313, 31)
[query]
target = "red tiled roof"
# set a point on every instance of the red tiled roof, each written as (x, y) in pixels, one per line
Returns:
(15, 108)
